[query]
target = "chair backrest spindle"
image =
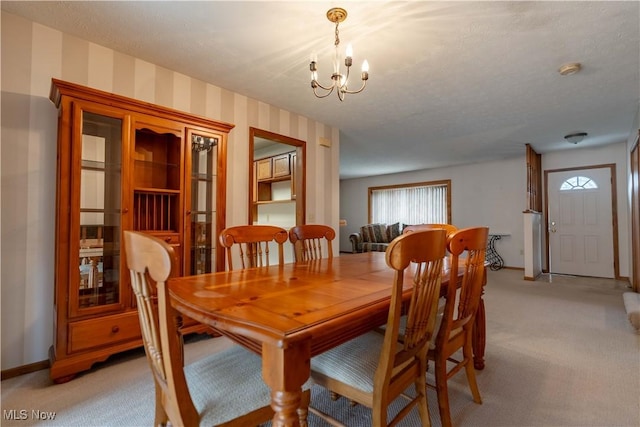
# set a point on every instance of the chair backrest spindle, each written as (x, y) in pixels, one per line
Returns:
(308, 241)
(252, 242)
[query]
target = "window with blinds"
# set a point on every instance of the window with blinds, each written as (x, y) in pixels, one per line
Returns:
(418, 203)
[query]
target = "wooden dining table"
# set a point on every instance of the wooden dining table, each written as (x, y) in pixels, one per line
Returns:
(292, 312)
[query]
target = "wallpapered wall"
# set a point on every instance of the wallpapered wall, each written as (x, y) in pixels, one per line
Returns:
(33, 54)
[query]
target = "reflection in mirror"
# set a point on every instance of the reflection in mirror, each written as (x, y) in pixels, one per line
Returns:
(276, 179)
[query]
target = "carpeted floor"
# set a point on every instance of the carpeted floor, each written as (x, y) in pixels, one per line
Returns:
(560, 352)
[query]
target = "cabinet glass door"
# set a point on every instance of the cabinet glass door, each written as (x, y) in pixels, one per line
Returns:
(203, 239)
(100, 199)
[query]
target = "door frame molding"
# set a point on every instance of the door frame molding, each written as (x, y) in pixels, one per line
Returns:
(614, 212)
(635, 214)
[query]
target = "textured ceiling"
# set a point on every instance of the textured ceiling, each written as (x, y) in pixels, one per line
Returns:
(450, 82)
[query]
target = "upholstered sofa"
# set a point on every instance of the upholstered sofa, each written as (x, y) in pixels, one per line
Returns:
(374, 237)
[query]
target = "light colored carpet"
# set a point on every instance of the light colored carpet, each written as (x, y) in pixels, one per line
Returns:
(560, 352)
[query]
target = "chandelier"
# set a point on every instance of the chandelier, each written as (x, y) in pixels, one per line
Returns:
(339, 80)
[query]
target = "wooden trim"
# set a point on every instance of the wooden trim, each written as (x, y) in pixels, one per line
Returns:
(24, 369)
(534, 180)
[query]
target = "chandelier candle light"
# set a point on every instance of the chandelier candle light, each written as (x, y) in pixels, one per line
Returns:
(339, 80)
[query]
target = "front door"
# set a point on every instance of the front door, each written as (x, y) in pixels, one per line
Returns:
(580, 222)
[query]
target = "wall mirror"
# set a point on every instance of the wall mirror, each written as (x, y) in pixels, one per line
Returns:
(276, 179)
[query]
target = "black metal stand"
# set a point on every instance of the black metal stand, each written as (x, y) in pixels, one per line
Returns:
(494, 259)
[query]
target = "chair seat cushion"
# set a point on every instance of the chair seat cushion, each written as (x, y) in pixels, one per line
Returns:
(353, 363)
(226, 385)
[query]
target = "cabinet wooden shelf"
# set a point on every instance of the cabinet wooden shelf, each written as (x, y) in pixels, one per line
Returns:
(93, 165)
(271, 202)
(126, 165)
(156, 190)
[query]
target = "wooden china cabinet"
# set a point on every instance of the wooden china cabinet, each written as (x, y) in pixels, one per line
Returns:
(122, 165)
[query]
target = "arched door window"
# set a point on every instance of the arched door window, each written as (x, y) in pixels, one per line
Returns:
(578, 183)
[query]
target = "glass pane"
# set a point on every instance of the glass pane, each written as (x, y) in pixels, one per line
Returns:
(92, 189)
(578, 183)
(203, 204)
(99, 257)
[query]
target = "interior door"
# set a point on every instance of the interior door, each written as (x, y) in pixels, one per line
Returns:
(580, 222)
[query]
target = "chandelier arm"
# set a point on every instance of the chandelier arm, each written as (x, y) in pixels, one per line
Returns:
(325, 87)
(364, 83)
(329, 90)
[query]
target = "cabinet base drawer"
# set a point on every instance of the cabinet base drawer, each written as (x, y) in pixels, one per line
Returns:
(170, 238)
(87, 334)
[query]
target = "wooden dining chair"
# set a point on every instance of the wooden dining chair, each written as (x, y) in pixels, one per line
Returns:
(312, 241)
(454, 325)
(449, 228)
(252, 242)
(375, 369)
(223, 389)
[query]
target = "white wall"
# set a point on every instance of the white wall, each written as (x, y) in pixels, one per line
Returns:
(33, 54)
(494, 194)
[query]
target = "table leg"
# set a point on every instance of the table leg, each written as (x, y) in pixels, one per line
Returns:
(479, 338)
(285, 370)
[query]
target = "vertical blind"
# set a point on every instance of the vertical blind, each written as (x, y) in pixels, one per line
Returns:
(421, 204)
